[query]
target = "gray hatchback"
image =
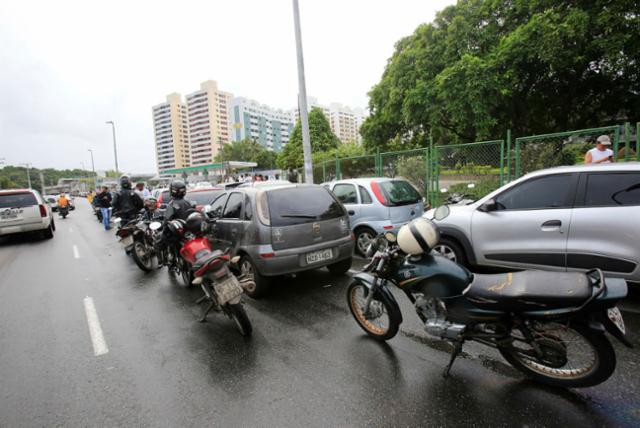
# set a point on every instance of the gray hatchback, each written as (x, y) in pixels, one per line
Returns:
(282, 230)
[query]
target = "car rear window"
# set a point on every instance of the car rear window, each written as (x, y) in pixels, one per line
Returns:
(18, 200)
(204, 197)
(399, 192)
(300, 205)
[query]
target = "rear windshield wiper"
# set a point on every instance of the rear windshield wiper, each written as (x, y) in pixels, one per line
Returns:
(297, 216)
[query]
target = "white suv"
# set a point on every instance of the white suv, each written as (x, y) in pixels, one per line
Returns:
(565, 218)
(24, 210)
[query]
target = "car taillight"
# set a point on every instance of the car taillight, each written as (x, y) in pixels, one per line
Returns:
(43, 210)
(267, 255)
(378, 192)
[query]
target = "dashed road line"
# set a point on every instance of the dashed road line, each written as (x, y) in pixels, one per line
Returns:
(76, 253)
(97, 338)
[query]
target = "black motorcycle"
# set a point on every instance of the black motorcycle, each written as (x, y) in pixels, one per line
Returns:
(549, 325)
(63, 211)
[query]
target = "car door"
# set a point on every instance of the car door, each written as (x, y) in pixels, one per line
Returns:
(219, 229)
(368, 211)
(530, 226)
(235, 224)
(604, 228)
(348, 196)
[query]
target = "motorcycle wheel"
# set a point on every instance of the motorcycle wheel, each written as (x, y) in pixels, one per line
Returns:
(142, 256)
(185, 272)
(383, 322)
(241, 319)
(574, 356)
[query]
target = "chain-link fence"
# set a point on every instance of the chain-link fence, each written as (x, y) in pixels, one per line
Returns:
(358, 166)
(412, 165)
(558, 149)
(473, 169)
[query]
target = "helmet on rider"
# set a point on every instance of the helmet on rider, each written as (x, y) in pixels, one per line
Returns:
(125, 182)
(150, 203)
(196, 223)
(178, 189)
(418, 236)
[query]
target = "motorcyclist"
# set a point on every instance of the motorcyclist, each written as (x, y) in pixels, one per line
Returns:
(126, 203)
(178, 207)
(63, 203)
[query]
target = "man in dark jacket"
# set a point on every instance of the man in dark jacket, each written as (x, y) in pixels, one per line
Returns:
(102, 201)
(178, 207)
(126, 203)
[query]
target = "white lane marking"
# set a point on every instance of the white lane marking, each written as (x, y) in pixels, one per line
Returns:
(76, 253)
(97, 338)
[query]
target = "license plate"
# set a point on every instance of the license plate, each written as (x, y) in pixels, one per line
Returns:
(319, 256)
(227, 289)
(9, 214)
(127, 241)
(615, 316)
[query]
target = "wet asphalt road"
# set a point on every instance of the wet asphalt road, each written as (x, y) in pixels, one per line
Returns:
(308, 363)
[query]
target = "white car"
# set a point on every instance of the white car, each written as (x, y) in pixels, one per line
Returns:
(24, 210)
(564, 219)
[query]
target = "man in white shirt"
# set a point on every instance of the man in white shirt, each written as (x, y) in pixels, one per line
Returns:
(601, 153)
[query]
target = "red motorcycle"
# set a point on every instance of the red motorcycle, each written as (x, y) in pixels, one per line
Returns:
(210, 269)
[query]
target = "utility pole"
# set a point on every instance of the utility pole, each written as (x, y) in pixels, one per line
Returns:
(93, 168)
(42, 183)
(28, 165)
(115, 150)
(302, 99)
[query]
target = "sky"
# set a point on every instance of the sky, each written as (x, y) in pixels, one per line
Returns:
(67, 66)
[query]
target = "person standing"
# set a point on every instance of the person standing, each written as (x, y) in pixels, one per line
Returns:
(103, 203)
(126, 203)
(141, 191)
(601, 153)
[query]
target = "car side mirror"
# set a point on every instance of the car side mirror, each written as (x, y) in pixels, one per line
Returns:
(490, 205)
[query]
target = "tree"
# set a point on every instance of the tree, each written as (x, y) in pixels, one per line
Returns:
(484, 66)
(322, 140)
(247, 151)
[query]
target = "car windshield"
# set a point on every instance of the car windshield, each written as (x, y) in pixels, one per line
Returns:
(399, 192)
(203, 197)
(300, 205)
(18, 200)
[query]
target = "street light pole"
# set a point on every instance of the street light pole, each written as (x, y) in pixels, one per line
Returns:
(115, 150)
(302, 98)
(93, 168)
(27, 165)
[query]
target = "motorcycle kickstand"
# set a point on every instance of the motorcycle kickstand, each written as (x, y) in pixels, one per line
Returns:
(456, 351)
(206, 312)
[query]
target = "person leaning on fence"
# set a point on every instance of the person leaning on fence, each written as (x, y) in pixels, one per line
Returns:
(600, 153)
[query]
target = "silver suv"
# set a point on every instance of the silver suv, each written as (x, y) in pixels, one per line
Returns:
(565, 218)
(282, 229)
(24, 210)
(377, 205)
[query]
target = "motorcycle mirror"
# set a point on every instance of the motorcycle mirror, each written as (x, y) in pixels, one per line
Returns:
(442, 212)
(155, 225)
(390, 236)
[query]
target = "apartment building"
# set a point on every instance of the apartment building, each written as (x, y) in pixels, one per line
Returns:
(345, 121)
(268, 126)
(208, 121)
(171, 134)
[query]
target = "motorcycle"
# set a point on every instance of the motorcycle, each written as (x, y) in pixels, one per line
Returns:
(549, 325)
(210, 269)
(125, 233)
(63, 211)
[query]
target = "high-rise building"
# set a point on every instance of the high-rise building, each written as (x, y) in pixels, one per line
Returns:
(268, 126)
(345, 122)
(171, 134)
(207, 110)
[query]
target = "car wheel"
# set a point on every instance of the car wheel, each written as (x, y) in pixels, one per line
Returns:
(48, 232)
(340, 267)
(260, 286)
(450, 249)
(53, 224)
(364, 236)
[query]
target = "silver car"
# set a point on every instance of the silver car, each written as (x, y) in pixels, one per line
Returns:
(282, 230)
(377, 205)
(24, 210)
(565, 218)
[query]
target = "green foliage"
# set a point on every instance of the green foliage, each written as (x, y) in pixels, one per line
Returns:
(247, 151)
(484, 66)
(322, 138)
(12, 177)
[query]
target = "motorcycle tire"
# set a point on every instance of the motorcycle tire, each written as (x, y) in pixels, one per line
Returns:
(241, 319)
(185, 272)
(603, 368)
(138, 254)
(356, 293)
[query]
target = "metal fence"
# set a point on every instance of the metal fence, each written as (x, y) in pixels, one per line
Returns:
(439, 170)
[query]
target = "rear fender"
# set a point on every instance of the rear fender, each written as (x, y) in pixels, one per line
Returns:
(382, 293)
(599, 322)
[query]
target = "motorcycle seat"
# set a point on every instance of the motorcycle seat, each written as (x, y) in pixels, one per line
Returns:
(530, 290)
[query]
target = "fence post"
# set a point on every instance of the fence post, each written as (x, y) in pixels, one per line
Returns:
(508, 154)
(627, 140)
(324, 171)
(378, 163)
(616, 142)
(338, 173)
(638, 141)
(501, 162)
